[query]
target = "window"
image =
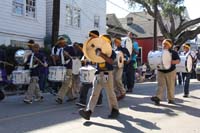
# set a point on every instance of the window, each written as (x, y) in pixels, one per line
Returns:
(77, 17)
(68, 15)
(30, 8)
(73, 16)
(25, 8)
(18, 7)
(17, 43)
(96, 21)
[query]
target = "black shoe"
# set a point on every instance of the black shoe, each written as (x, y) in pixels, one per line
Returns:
(2, 95)
(129, 91)
(85, 114)
(71, 99)
(59, 101)
(114, 114)
(171, 102)
(81, 104)
(185, 95)
(156, 100)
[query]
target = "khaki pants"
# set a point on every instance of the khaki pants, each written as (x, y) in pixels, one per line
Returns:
(118, 85)
(33, 89)
(166, 80)
(102, 81)
(75, 89)
(66, 85)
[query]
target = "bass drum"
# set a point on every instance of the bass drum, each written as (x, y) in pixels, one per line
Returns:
(127, 43)
(160, 60)
(185, 65)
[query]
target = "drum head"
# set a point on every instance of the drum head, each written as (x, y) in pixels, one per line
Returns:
(119, 59)
(189, 63)
(76, 65)
(90, 46)
(166, 59)
(127, 43)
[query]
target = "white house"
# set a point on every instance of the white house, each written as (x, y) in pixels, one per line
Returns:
(21, 20)
(78, 17)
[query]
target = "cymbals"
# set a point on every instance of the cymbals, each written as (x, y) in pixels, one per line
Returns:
(90, 46)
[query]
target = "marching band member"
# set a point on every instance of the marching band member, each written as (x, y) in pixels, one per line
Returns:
(65, 57)
(176, 48)
(74, 91)
(103, 79)
(117, 73)
(35, 61)
(86, 86)
(55, 61)
(186, 76)
(166, 78)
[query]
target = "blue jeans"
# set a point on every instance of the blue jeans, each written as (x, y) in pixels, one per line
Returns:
(186, 80)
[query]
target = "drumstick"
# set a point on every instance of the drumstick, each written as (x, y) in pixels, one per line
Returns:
(67, 54)
(6, 63)
(40, 61)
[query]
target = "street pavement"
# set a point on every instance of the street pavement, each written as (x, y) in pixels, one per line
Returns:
(137, 114)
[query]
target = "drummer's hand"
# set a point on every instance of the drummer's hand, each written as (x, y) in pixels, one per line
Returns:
(98, 51)
(128, 61)
(45, 64)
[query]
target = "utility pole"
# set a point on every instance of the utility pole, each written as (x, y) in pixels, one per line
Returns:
(55, 21)
(155, 25)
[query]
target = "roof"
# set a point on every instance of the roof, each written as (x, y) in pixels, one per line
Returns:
(142, 24)
(115, 28)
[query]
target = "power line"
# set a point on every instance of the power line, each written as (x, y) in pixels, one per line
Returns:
(128, 10)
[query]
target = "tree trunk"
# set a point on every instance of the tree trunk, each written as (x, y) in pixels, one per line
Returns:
(55, 21)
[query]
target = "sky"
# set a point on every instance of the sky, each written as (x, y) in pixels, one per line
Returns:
(192, 6)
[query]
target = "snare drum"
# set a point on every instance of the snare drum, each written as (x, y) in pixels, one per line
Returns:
(21, 77)
(57, 73)
(87, 74)
(160, 60)
(120, 59)
(185, 64)
(76, 65)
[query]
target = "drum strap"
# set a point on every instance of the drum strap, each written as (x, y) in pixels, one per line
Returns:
(31, 61)
(62, 57)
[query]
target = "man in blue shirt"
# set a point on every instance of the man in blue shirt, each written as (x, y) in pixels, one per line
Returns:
(132, 64)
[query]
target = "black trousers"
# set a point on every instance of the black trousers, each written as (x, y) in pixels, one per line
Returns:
(186, 80)
(84, 92)
(130, 75)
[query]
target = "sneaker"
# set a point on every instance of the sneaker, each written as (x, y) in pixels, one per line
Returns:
(59, 101)
(114, 114)
(99, 104)
(156, 100)
(185, 95)
(85, 114)
(171, 102)
(81, 104)
(40, 99)
(28, 101)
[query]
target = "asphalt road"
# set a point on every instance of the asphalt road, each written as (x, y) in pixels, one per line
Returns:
(138, 114)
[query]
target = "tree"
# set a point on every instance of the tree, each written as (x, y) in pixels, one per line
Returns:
(55, 20)
(172, 10)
